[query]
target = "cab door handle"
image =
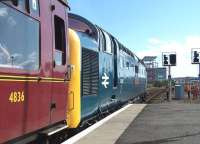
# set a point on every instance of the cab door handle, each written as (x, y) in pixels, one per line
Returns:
(68, 74)
(53, 7)
(53, 105)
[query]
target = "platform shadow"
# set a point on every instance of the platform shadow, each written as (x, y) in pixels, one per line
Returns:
(161, 141)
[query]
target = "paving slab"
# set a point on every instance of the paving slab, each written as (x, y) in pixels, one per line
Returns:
(110, 131)
(167, 123)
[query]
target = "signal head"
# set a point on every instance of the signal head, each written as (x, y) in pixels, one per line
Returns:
(195, 57)
(173, 59)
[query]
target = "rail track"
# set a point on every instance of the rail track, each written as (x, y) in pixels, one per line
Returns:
(156, 95)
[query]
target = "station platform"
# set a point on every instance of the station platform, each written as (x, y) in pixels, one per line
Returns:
(171, 123)
(108, 130)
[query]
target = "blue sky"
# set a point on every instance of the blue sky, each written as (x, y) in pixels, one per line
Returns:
(149, 27)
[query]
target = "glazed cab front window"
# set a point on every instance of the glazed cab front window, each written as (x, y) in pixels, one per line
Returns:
(87, 41)
(19, 40)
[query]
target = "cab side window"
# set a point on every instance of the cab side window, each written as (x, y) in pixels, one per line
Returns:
(34, 7)
(102, 41)
(60, 41)
(22, 5)
(136, 69)
(108, 46)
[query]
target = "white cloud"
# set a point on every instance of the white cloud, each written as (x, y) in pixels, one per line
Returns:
(155, 47)
(154, 41)
(3, 12)
(193, 41)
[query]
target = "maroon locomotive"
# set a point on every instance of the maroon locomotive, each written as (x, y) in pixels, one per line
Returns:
(33, 66)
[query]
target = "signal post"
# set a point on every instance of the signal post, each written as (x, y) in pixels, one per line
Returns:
(170, 84)
(199, 72)
(195, 59)
(169, 59)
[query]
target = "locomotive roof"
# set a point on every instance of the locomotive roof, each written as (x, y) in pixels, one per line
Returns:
(94, 31)
(128, 51)
(71, 15)
(90, 26)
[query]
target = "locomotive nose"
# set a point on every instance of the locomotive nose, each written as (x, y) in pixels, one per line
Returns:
(74, 96)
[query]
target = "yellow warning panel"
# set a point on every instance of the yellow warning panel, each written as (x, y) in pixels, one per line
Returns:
(74, 95)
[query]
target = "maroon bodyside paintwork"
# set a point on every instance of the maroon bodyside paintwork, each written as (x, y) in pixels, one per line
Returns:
(18, 119)
(59, 92)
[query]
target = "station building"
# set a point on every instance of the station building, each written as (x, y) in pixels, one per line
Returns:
(154, 73)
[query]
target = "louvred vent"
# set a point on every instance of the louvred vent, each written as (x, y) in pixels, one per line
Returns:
(90, 72)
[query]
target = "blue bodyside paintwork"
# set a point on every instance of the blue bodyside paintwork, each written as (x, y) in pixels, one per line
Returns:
(105, 68)
(130, 84)
(89, 106)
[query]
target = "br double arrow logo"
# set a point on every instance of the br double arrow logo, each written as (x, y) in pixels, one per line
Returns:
(105, 79)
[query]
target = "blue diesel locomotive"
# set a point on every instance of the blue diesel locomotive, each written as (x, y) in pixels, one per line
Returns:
(58, 70)
(111, 74)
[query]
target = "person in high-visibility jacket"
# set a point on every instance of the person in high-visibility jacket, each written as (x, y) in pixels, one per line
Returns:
(188, 90)
(195, 91)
